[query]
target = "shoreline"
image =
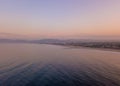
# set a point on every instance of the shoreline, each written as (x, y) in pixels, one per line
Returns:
(78, 47)
(102, 49)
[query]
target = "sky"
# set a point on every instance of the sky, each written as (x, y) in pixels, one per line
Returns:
(59, 18)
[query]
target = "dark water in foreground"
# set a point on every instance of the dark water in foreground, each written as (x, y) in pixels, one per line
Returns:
(48, 65)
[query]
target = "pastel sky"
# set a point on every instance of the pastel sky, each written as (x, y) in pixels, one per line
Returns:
(60, 18)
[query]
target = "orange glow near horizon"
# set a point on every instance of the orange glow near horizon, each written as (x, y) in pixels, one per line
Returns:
(96, 18)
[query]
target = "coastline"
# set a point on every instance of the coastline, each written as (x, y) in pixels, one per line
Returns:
(102, 49)
(78, 47)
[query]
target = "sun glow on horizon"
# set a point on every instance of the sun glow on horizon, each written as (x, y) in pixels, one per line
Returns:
(64, 18)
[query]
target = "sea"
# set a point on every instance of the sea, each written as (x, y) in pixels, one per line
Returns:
(25, 64)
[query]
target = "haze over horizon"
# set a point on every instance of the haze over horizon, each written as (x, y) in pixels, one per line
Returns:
(60, 19)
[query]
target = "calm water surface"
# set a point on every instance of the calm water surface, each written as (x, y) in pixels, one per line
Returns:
(49, 65)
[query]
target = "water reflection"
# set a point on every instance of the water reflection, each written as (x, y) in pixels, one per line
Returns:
(46, 65)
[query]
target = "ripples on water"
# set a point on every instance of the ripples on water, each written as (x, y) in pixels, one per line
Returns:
(66, 72)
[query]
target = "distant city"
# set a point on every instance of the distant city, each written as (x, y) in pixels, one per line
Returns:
(114, 45)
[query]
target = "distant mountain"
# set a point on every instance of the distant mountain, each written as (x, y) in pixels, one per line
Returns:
(47, 41)
(13, 41)
(41, 41)
(81, 43)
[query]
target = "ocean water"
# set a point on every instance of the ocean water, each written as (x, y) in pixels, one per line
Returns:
(50, 65)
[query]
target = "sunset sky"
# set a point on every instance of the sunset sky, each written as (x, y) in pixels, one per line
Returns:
(60, 18)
